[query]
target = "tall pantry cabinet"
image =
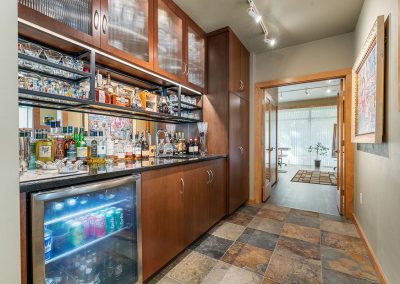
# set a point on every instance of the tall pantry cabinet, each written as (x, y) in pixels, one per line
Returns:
(226, 108)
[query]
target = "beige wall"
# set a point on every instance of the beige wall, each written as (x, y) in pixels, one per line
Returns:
(377, 177)
(9, 200)
(323, 55)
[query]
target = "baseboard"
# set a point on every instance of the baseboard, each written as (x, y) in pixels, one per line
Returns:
(378, 268)
(251, 202)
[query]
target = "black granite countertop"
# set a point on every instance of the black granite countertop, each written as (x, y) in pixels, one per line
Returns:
(39, 181)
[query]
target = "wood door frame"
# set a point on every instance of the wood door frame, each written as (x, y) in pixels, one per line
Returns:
(346, 75)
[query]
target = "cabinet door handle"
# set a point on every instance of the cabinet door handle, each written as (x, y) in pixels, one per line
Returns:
(182, 191)
(212, 176)
(185, 69)
(209, 177)
(241, 85)
(241, 149)
(96, 20)
(104, 24)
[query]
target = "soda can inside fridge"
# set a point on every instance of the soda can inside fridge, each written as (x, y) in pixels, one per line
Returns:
(88, 233)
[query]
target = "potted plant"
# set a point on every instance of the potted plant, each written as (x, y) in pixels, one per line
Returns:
(321, 151)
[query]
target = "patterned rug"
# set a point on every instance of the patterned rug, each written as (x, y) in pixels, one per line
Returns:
(316, 177)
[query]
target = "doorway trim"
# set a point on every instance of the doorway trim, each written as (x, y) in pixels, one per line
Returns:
(346, 75)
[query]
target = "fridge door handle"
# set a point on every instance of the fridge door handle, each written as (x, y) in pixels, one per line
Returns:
(209, 177)
(182, 191)
(212, 176)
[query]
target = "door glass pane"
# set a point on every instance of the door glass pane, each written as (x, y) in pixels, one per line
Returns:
(74, 13)
(128, 26)
(169, 40)
(273, 143)
(267, 146)
(92, 237)
(196, 53)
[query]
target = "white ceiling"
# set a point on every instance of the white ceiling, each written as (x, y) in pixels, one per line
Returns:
(315, 90)
(291, 22)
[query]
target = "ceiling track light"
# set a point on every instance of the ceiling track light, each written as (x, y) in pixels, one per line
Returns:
(255, 14)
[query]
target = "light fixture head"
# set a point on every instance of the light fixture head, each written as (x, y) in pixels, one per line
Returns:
(328, 91)
(306, 92)
(253, 13)
(270, 41)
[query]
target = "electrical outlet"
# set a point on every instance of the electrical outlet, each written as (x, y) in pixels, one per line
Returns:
(360, 197)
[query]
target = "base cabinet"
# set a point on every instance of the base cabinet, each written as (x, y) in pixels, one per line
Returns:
(179, 204)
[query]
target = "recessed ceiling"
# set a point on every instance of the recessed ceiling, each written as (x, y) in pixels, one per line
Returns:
(309, 91)
(291, 22)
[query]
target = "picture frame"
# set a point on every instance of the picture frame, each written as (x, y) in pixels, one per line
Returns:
(368, 87)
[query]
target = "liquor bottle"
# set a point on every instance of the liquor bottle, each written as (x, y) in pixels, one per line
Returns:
(93, 148)
(182, 144)
(120, 97)
(70, 145)
(101, 148)
(108, 89)
(138, 148)
(145, 147)
(101, 95)
(128, 148)
(191, 146)
(59, 142)
(32, 153)
(195, 147)
(174, 143)
(44, 148)
(81, 148)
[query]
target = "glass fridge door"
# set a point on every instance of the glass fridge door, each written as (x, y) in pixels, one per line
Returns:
(88, 233)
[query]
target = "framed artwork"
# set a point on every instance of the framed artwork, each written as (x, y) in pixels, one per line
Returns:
(368, 87)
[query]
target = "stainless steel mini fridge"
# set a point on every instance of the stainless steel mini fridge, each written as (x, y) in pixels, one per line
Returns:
(88, 233)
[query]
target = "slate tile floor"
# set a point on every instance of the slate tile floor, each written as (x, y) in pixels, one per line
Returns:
(274, 244)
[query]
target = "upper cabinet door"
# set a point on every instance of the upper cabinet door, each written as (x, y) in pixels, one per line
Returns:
(76, 19)
(196, 52)
(126, 30)
(169, 59)
(245, 72)
(235, 49)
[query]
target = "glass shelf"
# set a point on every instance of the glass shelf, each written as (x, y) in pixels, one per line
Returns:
(83, 212)
(90, 243)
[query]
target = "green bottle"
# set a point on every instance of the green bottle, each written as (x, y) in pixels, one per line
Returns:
(81, 147)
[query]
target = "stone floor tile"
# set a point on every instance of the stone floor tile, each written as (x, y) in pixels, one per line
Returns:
(249, 210)
(272, 214)
(348, 263)
(229, 231)
(266, 225)
(304, 213)
(312, 222)
(212, 246)
(229, 274)
(239, 218)
(177, 260)
(333, 277)
(259, 239)
(276, 207)
(307, 234)
(293, 248)
(193, 268)
(248, 257)
(284, 269)
(339, 228)
(334, 218)
(343, 242)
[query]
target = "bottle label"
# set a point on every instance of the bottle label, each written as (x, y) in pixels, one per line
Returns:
(101, 151)
(110, 148)
(129, 150)
(121, 155)
(59, 145)
(195, 149)
(145, 153)
(44, 151)
(81, 152)
(191, 149)
(102, 96)
(138, 152)
(93, 150)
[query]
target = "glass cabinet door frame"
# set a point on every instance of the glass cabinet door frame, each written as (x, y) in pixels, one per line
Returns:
(176, 10)
(47, 22)
(190, 23)
(120, 53)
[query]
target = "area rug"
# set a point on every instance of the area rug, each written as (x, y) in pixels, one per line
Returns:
(315, 177)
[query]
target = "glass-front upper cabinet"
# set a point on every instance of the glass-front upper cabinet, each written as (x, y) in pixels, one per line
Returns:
(77, 19)
(196, 56)
(126, 30)
(169, 44)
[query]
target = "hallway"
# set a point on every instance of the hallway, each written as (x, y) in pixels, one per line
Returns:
(305, 196)
(274, 244)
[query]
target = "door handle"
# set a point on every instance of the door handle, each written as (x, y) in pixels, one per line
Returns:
(185, 70)
(241, 150)
(212, 176)
(96, 20)
(182, 191)
(209, 177)
(241, 85)
(104, 24)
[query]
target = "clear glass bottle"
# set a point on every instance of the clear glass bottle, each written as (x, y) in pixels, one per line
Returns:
(110, 149)
(101, 95)
(93, 148)
(120, 97)
(129, 148)
(59, 142)
(108, 89)
(145, 147)
(138, 147)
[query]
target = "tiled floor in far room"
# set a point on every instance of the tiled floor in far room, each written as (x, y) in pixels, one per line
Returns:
(274, 244)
